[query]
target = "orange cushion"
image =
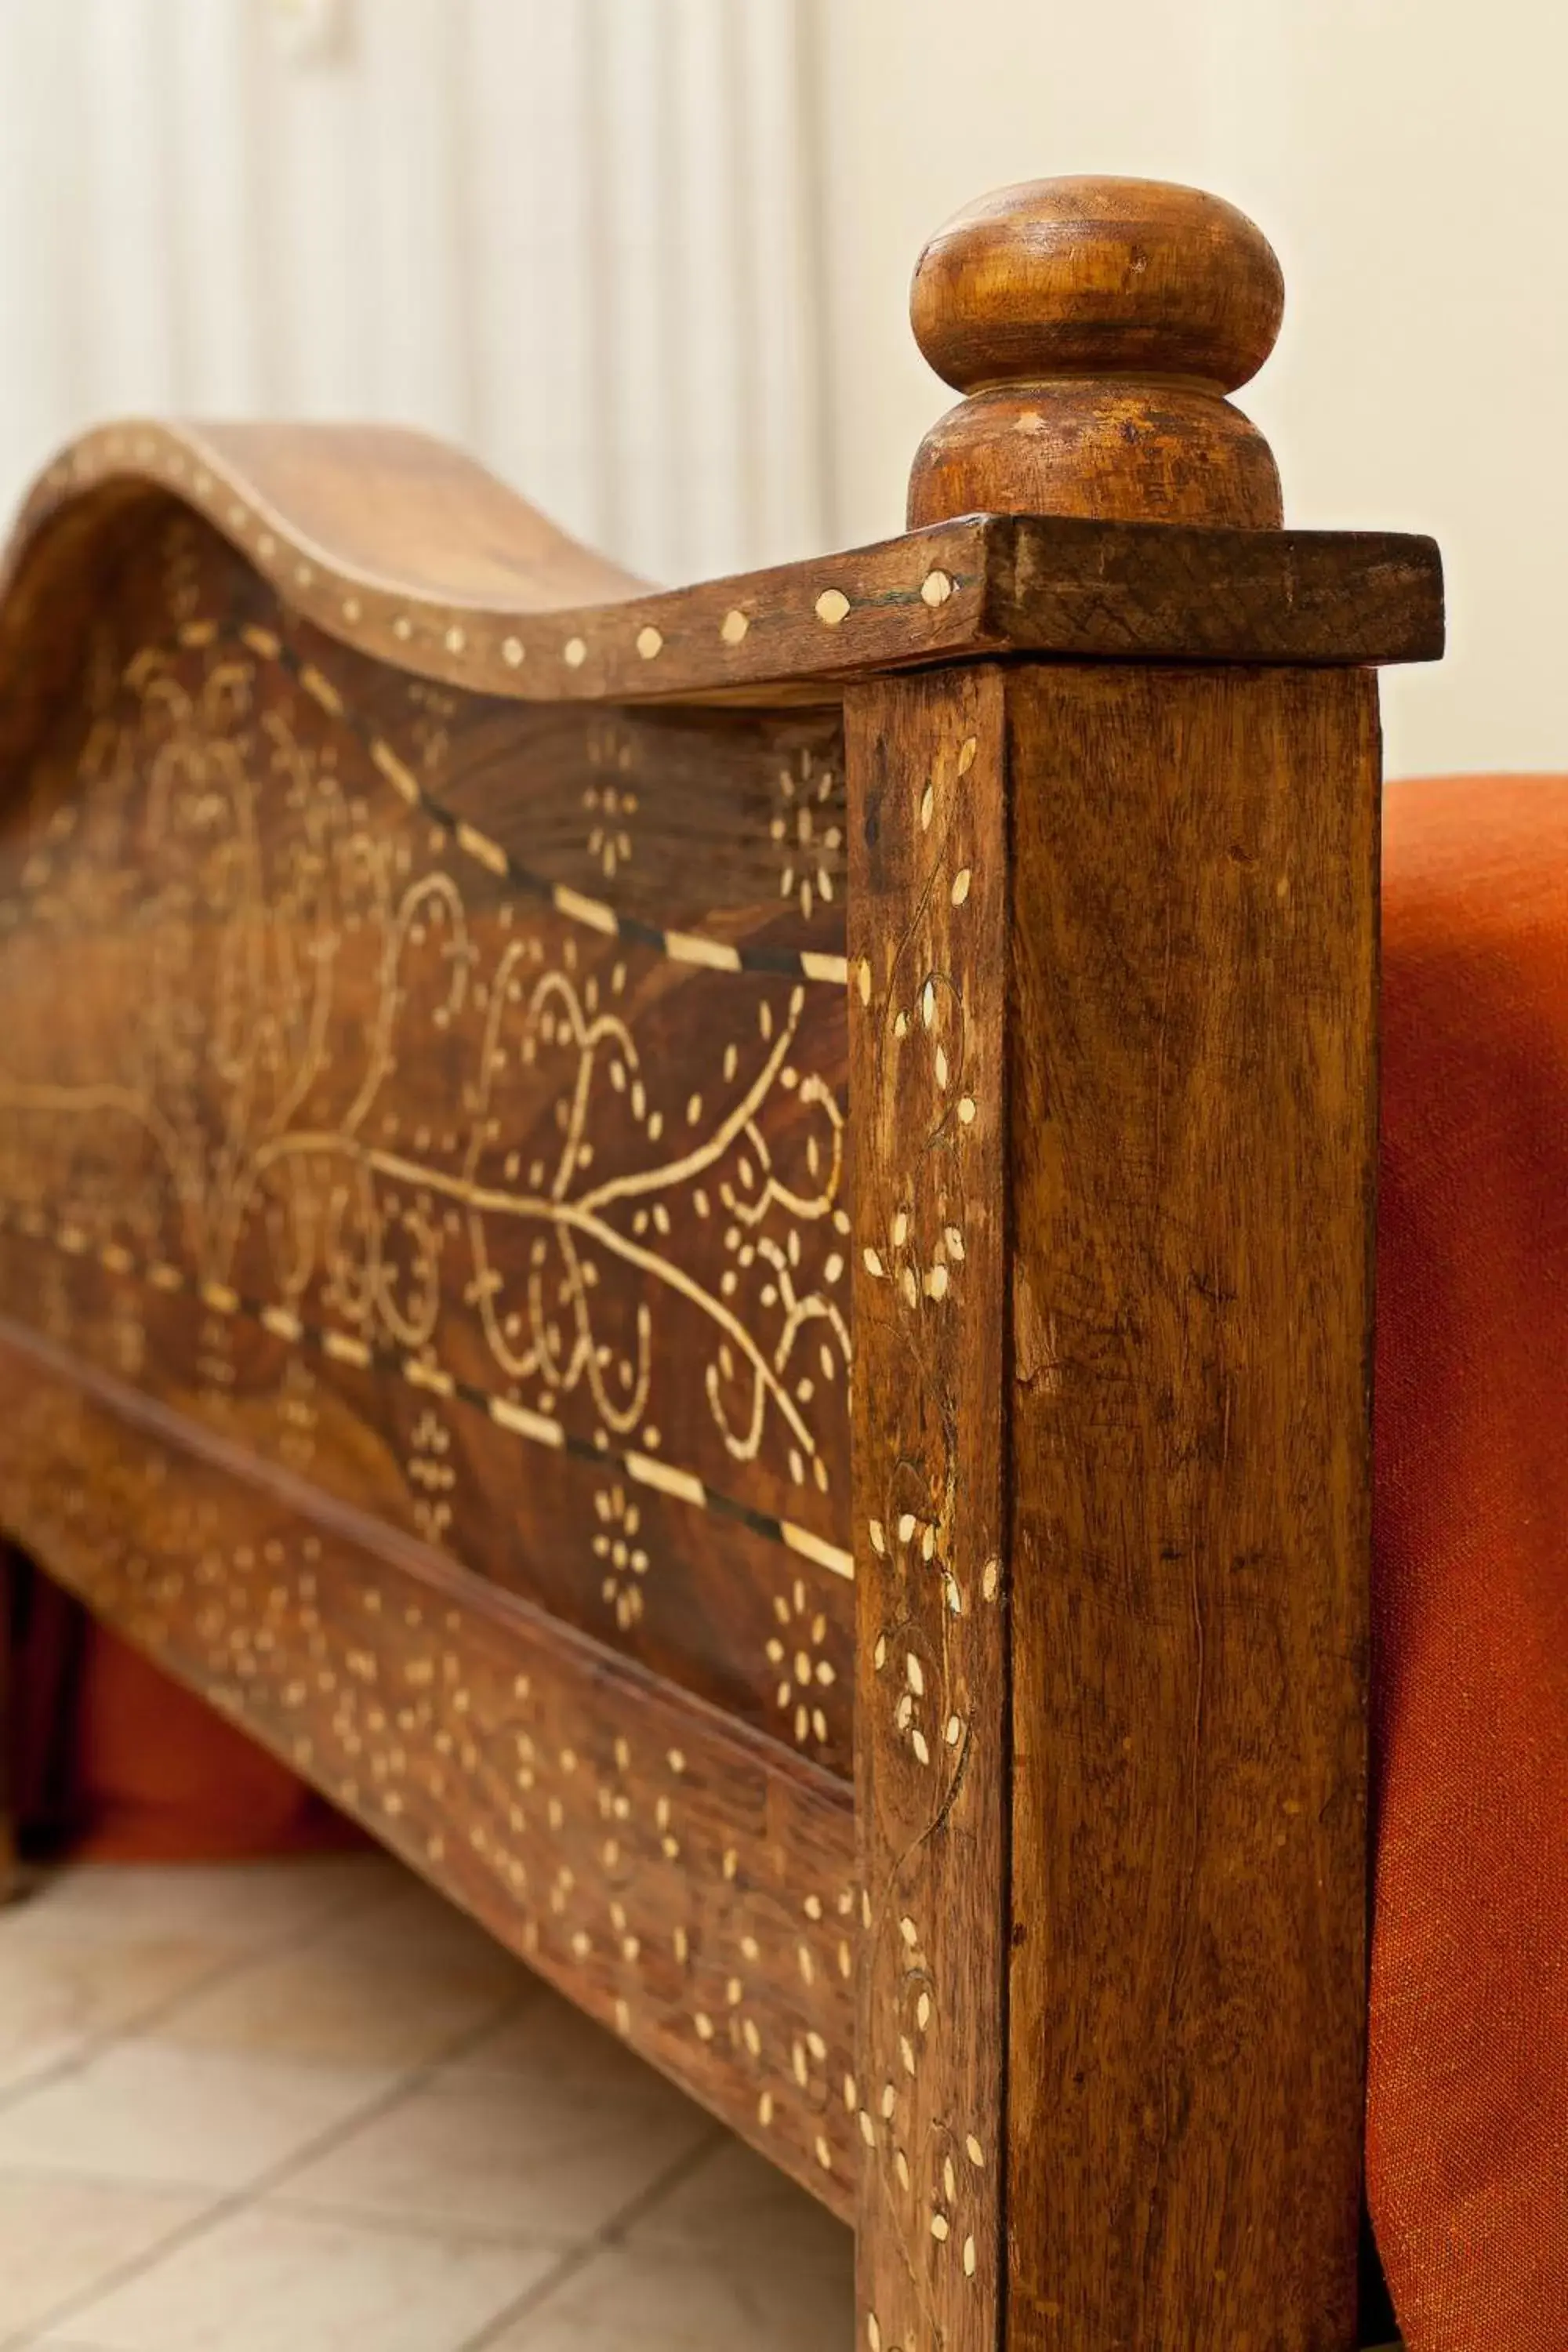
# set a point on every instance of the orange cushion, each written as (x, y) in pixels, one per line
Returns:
(1468, 2127)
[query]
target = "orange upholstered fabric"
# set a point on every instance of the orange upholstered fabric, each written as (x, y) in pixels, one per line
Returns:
(1468, 2133)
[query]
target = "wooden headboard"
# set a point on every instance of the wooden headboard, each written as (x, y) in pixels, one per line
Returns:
(708, 1250)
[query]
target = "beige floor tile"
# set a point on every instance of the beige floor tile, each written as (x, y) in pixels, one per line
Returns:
(347, 2006)
(734, 2207)
(504, 2155)
(270, 2282)
(143, 2112)
(434, 2214)
(247, 1904)
(59, 2239)
(625, 2301)
(60, 1990)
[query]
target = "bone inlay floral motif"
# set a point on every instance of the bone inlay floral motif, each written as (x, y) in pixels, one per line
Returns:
(490, 1183)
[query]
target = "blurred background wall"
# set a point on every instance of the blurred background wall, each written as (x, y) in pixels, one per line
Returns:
(649, 257)
(574, 234)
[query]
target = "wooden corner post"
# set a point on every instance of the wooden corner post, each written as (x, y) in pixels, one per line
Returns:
(9, 1825)
(1112, 1063)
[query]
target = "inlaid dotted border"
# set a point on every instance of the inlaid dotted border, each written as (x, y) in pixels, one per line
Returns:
(807, 620)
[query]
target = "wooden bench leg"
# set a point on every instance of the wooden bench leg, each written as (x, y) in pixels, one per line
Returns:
(1112, 935)
(10, 1873)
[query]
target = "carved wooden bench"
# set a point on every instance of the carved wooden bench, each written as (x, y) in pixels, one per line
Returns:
(709, 1251)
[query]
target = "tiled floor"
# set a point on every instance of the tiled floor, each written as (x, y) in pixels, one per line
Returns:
(306, 2107)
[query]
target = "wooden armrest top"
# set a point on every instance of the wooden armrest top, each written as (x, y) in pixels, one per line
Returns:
(407, 550)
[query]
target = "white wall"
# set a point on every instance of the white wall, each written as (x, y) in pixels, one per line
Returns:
(576, 236)
(649, 258)
(1408, 157)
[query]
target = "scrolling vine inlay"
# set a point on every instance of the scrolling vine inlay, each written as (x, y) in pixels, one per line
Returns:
(339, 1071)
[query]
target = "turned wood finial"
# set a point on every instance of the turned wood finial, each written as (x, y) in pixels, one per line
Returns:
(1095, 327)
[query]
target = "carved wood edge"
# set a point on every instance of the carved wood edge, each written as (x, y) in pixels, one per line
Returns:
(685, 1882)
(399, 547)
(928, 945)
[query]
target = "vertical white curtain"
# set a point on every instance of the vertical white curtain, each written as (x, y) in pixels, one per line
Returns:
(575, 236)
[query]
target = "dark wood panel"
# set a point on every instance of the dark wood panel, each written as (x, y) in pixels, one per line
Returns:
(685, 1882)
(1158, 592)
(1192, 1123)
(353, 1102)
(928, 999)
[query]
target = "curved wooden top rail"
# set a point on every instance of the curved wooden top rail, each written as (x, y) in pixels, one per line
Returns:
(404, 548)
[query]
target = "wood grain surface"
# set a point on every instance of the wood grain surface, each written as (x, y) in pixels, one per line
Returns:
(1193, 1129)
(927, 938)
(1094, 325)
